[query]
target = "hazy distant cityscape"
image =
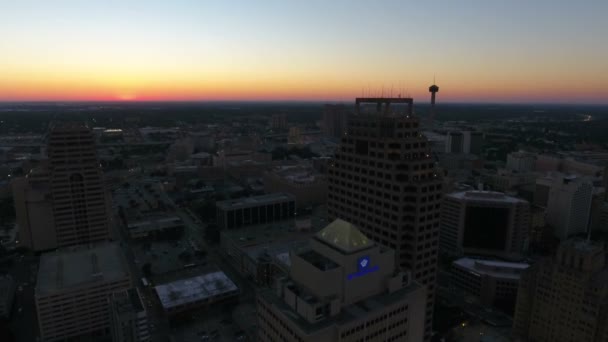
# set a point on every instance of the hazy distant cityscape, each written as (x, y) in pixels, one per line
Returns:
(301, 221)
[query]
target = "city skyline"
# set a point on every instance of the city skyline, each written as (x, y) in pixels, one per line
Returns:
(315, 51)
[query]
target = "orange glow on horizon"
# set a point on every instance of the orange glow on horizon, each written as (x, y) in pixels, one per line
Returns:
(315, 85)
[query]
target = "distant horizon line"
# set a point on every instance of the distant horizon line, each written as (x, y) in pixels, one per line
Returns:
(123, 102)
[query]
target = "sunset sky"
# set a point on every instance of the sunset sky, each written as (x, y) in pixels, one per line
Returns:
(480, 51)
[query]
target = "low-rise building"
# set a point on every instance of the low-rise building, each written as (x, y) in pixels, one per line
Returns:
(302, 181)
(194, 293)
(491, 280)
(258, 251)
(159, 226)
(255, 210)
(73, 289)
(147, 211)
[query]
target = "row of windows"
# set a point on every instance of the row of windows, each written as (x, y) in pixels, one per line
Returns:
(273, 325)
(371, 323)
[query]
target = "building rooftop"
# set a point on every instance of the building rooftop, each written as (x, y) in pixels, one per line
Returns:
(195, 289)
(276, 233)
(495, 268)
(490, 196)
(345, 236)
(583, 245)
(65, 269)
(348, 314)
(127, 301)
(254, 200)
(319, 261)
(155, 223)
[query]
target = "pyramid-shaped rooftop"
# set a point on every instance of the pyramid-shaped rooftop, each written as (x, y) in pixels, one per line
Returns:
(345, 236)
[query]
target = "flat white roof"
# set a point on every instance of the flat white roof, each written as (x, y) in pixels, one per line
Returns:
(195, 289)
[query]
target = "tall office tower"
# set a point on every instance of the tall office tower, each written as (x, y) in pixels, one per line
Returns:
(454, 142)
(564, 298)
(128, 318)
(34, 211)
(484, 223)
(472, 142)
(278, 122)
(383, 179)
(569, 206)
(344, 288)
(335, 119)
(73, 289)
(80, 202)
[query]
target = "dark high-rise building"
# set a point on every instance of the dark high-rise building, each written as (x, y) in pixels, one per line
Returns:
(565, 297)
(454, 142)
(278, 122)
(384, 180)
(80, 202)
(472, 142)
(335, 118)
(484, 223)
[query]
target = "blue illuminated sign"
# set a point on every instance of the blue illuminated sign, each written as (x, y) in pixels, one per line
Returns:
(363, 267)
(363, 263)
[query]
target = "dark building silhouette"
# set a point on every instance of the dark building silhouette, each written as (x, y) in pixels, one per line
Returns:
(80, 202)
(335, 119)
(383, 179)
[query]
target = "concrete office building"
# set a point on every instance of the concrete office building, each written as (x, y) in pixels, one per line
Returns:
(484, 223)
(73, 289)
(255, 251)
(129, 320)
(34, 211)
(344, 288)
(384, 180)
(80, 203)
(542, 188)
(308, 186)
(454, 142)
(335, 120)
(492, 281)
(565, 297)
(569, 206)
(521, 161)
(472, 142)
(255, 210)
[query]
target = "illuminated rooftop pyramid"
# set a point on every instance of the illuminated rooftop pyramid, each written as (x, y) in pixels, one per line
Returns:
(345, 236)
